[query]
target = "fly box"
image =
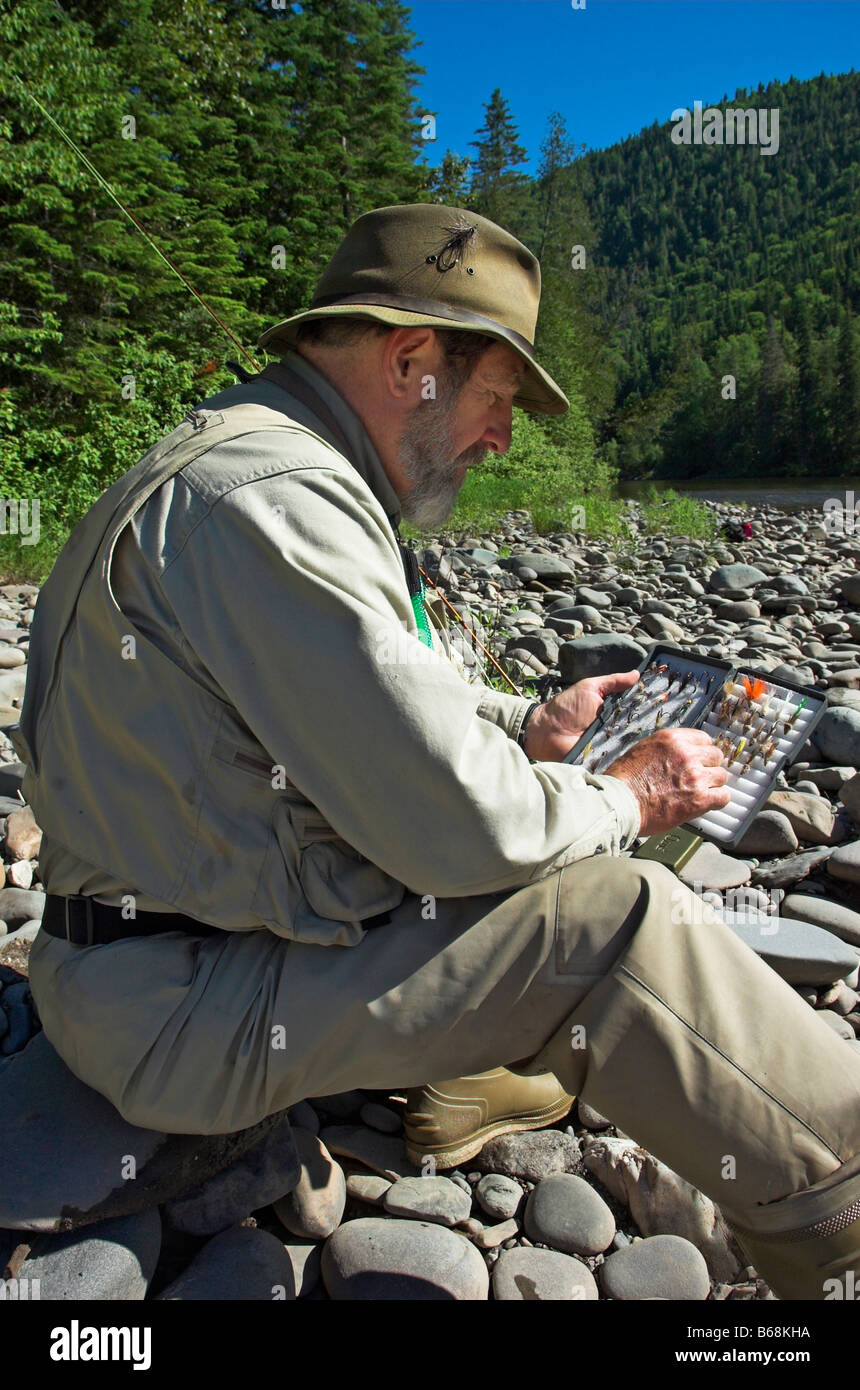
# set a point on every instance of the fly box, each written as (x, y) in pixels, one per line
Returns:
(758, 724)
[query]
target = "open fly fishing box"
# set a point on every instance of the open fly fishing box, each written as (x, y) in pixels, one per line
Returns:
(760, 725)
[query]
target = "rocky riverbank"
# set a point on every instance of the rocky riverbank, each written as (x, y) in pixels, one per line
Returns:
(326, 1205)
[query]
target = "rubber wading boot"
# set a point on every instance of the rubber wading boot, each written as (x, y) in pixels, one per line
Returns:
(451, 1121)
(807, 1246)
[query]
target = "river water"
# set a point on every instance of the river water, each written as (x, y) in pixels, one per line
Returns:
(792, 494)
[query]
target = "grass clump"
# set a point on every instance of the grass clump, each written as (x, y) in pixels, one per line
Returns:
(674, 514)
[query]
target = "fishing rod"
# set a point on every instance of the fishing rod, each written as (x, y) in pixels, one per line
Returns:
(223, 326)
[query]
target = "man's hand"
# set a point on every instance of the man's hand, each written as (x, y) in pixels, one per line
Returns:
(675, 775)
(555, 727)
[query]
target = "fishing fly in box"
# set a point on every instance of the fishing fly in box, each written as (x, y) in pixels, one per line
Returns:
(758, 724)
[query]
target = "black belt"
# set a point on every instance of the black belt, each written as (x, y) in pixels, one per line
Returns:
(85, 922)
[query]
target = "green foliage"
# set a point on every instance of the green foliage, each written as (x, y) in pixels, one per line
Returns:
(669, 513)
(716, 261)
(712, 328)
(542, 478)
(67, 472)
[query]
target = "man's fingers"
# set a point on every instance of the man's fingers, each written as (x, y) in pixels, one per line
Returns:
(619, 680)
(711, 755)
(697, 736)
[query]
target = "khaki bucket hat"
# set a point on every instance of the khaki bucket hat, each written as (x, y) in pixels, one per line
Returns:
(421, 263)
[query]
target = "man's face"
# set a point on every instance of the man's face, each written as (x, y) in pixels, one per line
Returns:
(445, 437)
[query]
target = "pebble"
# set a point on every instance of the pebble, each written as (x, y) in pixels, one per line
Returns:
(375, 1258)
(367, 1187)
(594, 597)
(531, 1156)
(544, 567)
(666, 1267)
(661, 1202)
(303, 1115)
(823, 912)
(461, 1180)
(770, 832)
(19, 874)
(566, 1213)
(41, 1098)
(428, 1199)
(663, 629)
(843, 863)
(491, 1237)
(811, 817)
(710, 868)
(380, 1117)
(800, 952)
(342, 1106)
(542, 1276)
(838, 735)
(20, 905)
(598, 654)
(498, 1196)
(780, 873)
(266, 1172)
(590, 1118)
(109, 1260)
(837, 1023)
(313, 1206)
(23, 836)
(242, 1265)
(384, 1153)
(305, 1256)
(849, 795)
(730, 577)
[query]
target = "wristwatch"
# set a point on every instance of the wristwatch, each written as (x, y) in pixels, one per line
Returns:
(521, 735)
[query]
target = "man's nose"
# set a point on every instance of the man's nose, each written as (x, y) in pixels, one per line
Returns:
(497, 435)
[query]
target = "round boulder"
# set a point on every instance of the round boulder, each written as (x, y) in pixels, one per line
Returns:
(665, 1267)
(732, 577)
(599, 654)
(565, 1212)
(375, 1258)
(542, 1276)
(837, 735)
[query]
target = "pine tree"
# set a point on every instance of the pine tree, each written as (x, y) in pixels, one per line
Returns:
(848, 397)
(495, 181)
(557, 153)
(449, 184)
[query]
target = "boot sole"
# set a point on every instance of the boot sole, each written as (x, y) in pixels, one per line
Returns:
(464, 1149)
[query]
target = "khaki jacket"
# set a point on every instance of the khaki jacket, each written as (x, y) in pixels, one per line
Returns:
(229, 713)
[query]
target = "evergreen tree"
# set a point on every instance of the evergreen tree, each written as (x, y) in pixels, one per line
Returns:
(449, 184)
(557, 153)
(495, 180)
(847, 431)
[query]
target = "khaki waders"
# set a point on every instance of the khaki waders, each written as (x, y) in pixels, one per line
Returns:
(609, 972)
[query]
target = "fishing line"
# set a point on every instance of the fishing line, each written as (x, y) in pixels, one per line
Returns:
(130, 215)
(88, 164)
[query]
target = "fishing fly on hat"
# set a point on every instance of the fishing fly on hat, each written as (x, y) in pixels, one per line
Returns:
(422, 264)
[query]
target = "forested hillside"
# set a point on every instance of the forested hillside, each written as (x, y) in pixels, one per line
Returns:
(726, 261)
(246, 138)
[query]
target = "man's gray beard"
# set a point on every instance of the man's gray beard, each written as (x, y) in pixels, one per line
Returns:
(426, 453)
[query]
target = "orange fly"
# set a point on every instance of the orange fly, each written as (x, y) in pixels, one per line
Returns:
(753, 687)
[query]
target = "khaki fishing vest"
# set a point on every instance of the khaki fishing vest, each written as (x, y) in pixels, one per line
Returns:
(175, 839)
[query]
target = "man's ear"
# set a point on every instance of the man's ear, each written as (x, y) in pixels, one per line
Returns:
(408, 354)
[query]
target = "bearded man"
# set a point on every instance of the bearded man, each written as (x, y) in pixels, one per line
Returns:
(280, 863)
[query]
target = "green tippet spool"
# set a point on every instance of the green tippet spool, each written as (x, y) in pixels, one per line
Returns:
(421, 617)
(673, 848)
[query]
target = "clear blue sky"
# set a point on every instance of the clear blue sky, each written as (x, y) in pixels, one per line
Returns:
(617, 65)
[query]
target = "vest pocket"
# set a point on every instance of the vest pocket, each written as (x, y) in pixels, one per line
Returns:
(313, 886)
